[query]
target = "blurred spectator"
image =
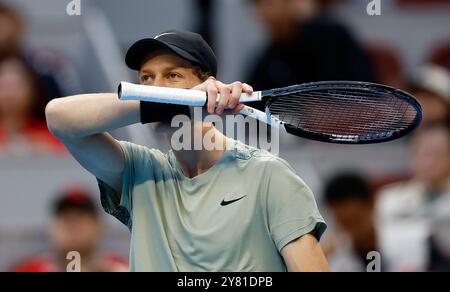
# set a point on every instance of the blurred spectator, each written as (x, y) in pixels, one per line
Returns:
(205, 20)
(22, 122)
(387, 64)
(423, 3)
(54, 73)
(306, 45)
(441, 55)
(349, 197)
(75, 226)
(11, 30)
(431, 86)
(410, 215)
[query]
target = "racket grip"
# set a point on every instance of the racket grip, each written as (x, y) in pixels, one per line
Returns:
(245, 97)
(129, 91)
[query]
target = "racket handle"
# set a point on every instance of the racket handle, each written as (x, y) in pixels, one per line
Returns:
(245, 98)
(129, 91)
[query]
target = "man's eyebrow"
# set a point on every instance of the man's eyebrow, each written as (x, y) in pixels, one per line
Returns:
(144, 71)
(168, 68)
(177, 67)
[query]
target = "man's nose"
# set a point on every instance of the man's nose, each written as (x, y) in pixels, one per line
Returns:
(159, 81)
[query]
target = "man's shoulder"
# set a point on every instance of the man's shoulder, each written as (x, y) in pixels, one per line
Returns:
(260, 157)
(129, 146)
(142, 153)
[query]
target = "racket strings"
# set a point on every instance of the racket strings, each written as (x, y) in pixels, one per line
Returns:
(344, 112)
(309, 100)
(350, 126)
(388, 106)
(339, 123)
(340, 116)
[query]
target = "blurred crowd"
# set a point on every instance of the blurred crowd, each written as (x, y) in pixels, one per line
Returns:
(75, 225)
(25, 92)
(408, 222)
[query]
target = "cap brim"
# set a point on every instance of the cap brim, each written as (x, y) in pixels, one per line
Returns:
(140, 51)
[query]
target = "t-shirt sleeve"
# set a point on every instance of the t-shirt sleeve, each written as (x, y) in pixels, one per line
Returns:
(291, 206)
(137, 159)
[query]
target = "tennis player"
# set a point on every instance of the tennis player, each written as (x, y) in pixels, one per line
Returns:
(234, 208)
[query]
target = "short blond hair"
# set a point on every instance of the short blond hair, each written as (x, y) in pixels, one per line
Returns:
(202, 75)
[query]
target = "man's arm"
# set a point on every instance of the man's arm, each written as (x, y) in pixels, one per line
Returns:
(305, 255)
(81, 122)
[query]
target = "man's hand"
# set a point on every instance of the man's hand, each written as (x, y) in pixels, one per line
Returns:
(229, 95)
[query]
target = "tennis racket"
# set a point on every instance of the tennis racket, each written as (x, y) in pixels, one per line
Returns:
(343, 112)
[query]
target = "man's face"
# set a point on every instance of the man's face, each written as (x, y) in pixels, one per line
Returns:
(166, 69)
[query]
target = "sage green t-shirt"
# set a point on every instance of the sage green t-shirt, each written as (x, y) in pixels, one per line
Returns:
(237, 216)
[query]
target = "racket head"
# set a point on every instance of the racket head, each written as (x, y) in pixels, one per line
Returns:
(345, 112)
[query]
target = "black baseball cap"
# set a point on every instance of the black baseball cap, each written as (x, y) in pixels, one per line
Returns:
(188, 45)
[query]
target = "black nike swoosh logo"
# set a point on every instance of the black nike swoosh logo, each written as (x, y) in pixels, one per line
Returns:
(225, 203)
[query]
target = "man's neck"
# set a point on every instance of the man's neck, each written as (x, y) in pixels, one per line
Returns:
(196, 162)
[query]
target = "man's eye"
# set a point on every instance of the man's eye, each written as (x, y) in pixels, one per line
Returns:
(145, 78)
(174, 75)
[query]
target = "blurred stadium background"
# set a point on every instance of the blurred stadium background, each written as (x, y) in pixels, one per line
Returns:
(79, 54)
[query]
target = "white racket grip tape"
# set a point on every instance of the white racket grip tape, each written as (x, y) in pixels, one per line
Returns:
(263, 117)
(245, 97)
(129, 91)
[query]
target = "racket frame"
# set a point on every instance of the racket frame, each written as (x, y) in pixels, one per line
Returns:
(196, 98)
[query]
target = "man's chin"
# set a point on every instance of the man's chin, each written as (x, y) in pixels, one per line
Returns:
(163, 128)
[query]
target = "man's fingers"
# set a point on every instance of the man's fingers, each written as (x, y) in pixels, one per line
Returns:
(237, 90)
(203, 86)
(247, 88)
(212, 91)
(239, 107)
(230, 95)
(234, 111)
(225, 93)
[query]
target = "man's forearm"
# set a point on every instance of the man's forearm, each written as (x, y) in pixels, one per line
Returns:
(84, 115)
